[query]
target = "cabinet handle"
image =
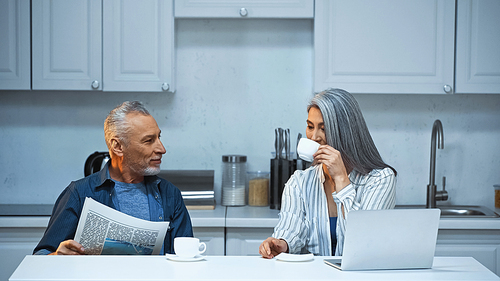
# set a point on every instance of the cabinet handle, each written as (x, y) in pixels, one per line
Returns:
(95, 84)
(243, 12)
(165, 86)
(447, 88)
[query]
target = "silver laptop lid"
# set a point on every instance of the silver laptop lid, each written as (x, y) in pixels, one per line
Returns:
(390, 239)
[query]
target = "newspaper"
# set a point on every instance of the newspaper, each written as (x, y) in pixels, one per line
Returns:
(105, 231)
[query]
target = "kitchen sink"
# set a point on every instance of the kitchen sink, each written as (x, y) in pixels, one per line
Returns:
(457, 211)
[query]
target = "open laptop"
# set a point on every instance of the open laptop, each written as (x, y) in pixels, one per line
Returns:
(389, 239)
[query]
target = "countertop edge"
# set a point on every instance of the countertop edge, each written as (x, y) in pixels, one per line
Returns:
(250, 217)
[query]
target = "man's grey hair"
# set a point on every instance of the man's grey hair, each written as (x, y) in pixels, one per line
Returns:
(116, 125)
(346, 130)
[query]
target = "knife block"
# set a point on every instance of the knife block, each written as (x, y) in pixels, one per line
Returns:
(281, 170)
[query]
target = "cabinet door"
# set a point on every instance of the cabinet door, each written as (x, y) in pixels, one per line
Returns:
(138, 45)
(481, 244)
(384, 46)
(213, 237)
(487, 255)
(67, 44)
(245, 241)
(245, 9)
(15, 244)
(478, 45)
(15, 63)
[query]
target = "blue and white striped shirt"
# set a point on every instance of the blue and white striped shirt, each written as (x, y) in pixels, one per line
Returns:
(304, 222)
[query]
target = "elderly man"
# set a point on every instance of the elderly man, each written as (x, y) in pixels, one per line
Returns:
(128, 183)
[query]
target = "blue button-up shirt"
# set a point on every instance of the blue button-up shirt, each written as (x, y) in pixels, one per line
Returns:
(99, 186)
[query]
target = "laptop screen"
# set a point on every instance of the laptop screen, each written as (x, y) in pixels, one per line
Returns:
(390, 239)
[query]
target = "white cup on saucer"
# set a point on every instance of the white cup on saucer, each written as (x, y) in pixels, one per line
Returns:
(188, 247)
(306, 148)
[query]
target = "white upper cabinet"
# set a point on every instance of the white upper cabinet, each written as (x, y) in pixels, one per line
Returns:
(66, 39)
(15, 63)
(111, 45)
(244, 9)
(384, 46)
(138, 45)
(478, 47)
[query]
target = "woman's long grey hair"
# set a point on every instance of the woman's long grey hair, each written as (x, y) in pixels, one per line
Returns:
(346, 130)
(116, 126)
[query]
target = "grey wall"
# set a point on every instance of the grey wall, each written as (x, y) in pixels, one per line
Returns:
(236, 81)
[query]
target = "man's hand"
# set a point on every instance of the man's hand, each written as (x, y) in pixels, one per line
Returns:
(69, 247)
(272, 247)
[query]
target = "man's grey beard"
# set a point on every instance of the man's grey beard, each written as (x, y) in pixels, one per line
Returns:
(151, 171)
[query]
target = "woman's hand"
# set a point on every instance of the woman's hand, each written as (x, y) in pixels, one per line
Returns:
(332, 160)
(69, 247)
(272, 247)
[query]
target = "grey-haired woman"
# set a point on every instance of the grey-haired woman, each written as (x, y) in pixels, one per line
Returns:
(347, 174)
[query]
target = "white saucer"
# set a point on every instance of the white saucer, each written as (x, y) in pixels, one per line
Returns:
(177, 258)
(292, 257)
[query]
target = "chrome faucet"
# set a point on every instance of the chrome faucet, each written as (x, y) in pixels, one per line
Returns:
(437, 137)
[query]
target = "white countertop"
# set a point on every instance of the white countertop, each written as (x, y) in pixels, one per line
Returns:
(469, 223)
(230, 268)
(209, 218)
(199, 218)
(248, 216)
(24, 221)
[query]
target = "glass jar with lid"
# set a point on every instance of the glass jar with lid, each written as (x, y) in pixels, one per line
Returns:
(258, 188)
(233, 180)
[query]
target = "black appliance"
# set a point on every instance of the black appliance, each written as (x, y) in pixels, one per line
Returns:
(95, 162)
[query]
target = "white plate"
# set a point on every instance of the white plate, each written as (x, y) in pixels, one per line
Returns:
(292, 257)
(177, 258)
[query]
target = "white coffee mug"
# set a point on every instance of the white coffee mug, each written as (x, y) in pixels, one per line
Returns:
(307, 148)
(188, 247)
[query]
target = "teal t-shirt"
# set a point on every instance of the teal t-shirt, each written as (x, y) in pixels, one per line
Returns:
(131, 199)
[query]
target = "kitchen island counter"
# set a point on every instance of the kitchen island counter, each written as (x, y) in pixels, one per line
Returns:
(229, 268)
